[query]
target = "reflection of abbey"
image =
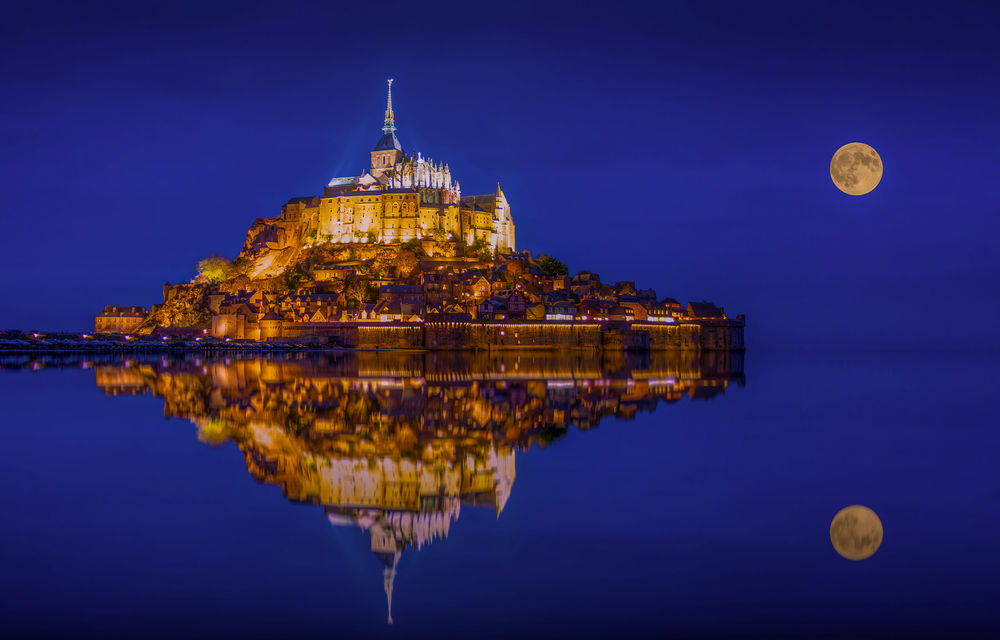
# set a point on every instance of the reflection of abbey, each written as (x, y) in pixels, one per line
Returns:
(397, 444)
(402, 197)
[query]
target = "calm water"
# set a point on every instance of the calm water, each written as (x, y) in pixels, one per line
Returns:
(498, 496)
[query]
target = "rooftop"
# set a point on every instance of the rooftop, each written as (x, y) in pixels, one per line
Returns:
(388, 141)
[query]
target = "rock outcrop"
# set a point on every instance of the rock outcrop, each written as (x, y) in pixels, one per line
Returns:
(184, 305)
(272, 245)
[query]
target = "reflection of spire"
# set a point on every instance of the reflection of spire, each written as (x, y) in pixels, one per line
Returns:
(390, 121)
(388, 577)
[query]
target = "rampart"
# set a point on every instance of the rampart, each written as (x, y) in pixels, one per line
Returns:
(723, 335)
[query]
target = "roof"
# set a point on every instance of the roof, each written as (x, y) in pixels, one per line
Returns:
(335, 267)
(705, 309)
(339, 182)
(400, 288)
(485, 202)
(118, 312)
(448, 316)
(388, 141)
(311, 297)
(370, 192)
(388, 307)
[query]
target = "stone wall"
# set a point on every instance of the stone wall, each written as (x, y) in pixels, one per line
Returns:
(390, 336)
(722, 334)
(625, 340)
(449, 335)
(359, 336)
(670, 336)
(343, 334)
(535, 335)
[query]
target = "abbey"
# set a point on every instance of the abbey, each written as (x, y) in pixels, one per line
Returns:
(402, 197)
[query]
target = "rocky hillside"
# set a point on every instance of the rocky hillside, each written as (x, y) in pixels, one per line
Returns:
(275, 258)
(271, 246)
(184, 305)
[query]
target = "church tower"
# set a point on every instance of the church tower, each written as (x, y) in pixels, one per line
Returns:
(387, 151)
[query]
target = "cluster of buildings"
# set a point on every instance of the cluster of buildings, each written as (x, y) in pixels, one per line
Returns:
(510, 288)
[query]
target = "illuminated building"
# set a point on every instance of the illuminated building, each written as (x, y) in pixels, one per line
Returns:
(119, 319)
(400, 197)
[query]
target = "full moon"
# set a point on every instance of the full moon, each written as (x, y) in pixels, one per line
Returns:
(856, 532)
(856, 168)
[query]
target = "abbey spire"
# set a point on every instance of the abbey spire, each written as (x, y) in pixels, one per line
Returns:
(390, 120)
(387, 151)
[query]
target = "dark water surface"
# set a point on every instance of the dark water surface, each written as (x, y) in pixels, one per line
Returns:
(290, 497)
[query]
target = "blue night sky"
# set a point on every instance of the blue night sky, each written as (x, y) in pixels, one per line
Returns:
(685, 146)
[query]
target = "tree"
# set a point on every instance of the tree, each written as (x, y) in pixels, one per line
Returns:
(381, 263)
(372, 237)
(440, 235)
(406, 262)
(242, 266)
(552, 267)
(480, 247)
(414, 246)
(215, 268)
(294, 277)
(356, 290)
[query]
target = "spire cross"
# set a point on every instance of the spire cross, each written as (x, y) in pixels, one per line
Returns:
(390, 123)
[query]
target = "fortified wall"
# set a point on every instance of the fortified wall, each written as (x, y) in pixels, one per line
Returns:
(725, 335)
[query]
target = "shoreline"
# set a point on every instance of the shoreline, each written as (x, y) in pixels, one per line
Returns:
(153, 347)
(719, 336)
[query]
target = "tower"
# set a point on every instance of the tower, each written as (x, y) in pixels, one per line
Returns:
(387, 151)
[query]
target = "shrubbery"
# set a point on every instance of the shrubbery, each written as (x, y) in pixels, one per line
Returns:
(215, 268)
(552, 267)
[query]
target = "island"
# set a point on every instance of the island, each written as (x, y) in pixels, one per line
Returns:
(399, 258)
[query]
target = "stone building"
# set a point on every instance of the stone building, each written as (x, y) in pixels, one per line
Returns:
(402, 197)
(119, 319)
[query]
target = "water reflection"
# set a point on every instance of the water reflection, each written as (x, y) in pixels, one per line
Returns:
(398, 443)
